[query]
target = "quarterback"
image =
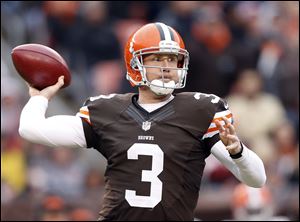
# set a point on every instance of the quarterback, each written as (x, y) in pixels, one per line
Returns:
(156, 141)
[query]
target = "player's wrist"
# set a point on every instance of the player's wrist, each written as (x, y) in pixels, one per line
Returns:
(237, 154)
(39, 99)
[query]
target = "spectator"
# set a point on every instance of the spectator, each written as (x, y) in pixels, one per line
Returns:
(253, 107)
(254, 204)
(53, 209)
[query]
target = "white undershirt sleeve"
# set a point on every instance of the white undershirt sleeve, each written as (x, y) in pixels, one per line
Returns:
(59, 130)
(249, 168)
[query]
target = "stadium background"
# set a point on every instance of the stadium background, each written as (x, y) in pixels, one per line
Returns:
(235, 47)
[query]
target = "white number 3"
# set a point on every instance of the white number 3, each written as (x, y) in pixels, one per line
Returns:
(147, 175)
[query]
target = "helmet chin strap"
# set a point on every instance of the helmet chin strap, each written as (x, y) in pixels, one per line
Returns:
(158, 87)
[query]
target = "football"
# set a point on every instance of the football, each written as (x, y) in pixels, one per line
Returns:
(40, 65)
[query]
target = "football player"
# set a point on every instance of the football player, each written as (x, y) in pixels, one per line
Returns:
(156, 141)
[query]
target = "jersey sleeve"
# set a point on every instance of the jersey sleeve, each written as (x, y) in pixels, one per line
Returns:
(84, 114)
(54, 131)
(221, 109)
(89, 132)
(97, 113)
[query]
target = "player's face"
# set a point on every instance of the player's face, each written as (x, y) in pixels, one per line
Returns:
(161, 66)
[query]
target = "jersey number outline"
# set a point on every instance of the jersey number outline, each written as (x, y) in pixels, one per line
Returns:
(147, 175)
(93, 98)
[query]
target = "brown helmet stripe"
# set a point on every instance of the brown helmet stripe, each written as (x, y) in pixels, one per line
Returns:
(161, 32)
(171, 33)
(165, 32)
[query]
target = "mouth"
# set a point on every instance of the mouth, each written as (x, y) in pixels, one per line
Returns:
(165, 79)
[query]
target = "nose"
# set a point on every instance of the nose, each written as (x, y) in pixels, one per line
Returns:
(165, 63)
(166, 74)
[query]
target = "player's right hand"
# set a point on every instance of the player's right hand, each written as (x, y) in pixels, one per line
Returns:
(49, 91)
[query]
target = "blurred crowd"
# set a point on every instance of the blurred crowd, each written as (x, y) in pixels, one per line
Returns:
(244, 51)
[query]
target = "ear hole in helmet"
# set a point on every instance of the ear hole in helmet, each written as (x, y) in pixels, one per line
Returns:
(180, 61)
(133, 63)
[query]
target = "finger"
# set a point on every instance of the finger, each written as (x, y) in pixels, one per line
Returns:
(219, 126)
(33, 91)
(59, 84)
(60, 81)
(30, 87)
(228, 125)
(231, 139)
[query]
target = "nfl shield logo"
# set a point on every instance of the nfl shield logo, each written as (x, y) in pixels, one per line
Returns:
(146, 125)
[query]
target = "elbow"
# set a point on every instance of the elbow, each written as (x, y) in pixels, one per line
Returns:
(259, 183)
(23, 131)
(259, 177)
(264, 180)
(26, 132)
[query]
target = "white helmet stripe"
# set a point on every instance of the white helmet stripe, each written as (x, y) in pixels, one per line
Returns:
(172, 34)
(165, 30)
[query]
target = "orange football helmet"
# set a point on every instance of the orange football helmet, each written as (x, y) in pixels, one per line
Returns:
(154, 38)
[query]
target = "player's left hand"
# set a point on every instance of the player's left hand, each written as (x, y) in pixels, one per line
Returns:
(228, 136)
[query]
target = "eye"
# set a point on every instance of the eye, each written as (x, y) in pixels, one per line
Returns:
(156, 59)
(173, 59)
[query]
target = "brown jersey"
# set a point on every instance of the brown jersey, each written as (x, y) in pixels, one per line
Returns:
(155, 160)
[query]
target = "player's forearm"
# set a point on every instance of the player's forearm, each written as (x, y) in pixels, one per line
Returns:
(249, 168)
(32, 118)
(59, 130)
